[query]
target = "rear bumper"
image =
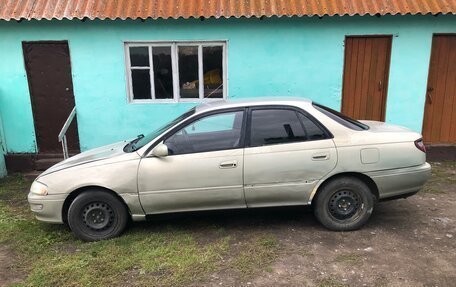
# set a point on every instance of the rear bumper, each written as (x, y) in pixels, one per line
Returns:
(399, 182)
(47, 208)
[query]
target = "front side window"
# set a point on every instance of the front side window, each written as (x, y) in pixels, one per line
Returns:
(176, 71)
(214, 132)
(279, 126)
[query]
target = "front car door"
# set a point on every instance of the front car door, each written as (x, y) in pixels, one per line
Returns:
(287, 152)
(203, 170)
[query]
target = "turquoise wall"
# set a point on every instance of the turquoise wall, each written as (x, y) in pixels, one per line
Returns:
(269, 57)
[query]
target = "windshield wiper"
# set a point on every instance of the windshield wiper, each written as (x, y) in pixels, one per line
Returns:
(138, 137)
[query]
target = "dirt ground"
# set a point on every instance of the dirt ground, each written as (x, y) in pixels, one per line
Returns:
(7, 261)
(407, 242)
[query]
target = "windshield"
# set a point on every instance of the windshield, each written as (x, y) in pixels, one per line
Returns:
(341, 118)
(142, 140)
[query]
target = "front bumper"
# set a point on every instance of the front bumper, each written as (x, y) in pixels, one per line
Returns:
(47, 208)
(402, 181)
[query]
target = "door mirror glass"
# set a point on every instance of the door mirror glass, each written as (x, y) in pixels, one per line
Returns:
(161, 150)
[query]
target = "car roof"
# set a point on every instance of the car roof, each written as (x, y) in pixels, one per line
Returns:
(210, 105)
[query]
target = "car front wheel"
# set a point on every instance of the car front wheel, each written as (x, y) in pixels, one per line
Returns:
(97, 215)
(344, 204)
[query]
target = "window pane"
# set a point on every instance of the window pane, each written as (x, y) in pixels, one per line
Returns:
(141, 84)
(213, 72)
(223, 122)
(211, 133)
(341, 118)
(139, 56)
(163, 73)
(313, 132)
(188, 72)
(275, 126)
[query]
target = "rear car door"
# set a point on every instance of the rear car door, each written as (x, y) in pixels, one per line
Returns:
(287, 152)
(203, 170)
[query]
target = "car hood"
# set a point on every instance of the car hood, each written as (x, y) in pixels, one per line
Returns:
(100, 153)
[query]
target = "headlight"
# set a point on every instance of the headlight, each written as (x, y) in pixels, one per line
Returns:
(38, 188)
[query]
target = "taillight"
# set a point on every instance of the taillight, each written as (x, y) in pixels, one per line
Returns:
(420, 145)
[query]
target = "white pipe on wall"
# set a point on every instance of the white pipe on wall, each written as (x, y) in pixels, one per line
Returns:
(3, 171)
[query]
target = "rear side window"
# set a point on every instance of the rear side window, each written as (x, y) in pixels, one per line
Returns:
(312, 130)
(275, 126)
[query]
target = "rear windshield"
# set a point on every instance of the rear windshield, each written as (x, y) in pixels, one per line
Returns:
(341, 118)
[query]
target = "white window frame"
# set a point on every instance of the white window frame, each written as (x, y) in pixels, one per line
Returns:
(175, 69)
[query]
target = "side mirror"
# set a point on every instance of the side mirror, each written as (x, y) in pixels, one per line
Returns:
(161, 150)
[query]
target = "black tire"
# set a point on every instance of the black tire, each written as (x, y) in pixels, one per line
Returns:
(344, 204)
(97, 215)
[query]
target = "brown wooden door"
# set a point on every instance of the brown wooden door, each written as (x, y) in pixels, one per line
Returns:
(51, 91)
(365, 82)
(439, 124)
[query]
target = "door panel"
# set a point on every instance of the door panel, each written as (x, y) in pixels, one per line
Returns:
(285, 174)
(439, 124)
(365, 82)
(197, 181)
(51, 91)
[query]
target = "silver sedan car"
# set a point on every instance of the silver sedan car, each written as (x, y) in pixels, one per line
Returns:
(240, 154)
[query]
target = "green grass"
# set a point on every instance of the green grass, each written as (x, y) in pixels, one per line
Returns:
(167, 259)
(148, 254)
(428, 188)
(350, 258)
(330, 282)
(255, 255)
(443, 178)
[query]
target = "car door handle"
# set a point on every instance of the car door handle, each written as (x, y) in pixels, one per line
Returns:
(228, 164)
(320, 156)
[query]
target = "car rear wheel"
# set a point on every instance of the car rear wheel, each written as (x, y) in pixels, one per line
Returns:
(344, 204)
(97, 215)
